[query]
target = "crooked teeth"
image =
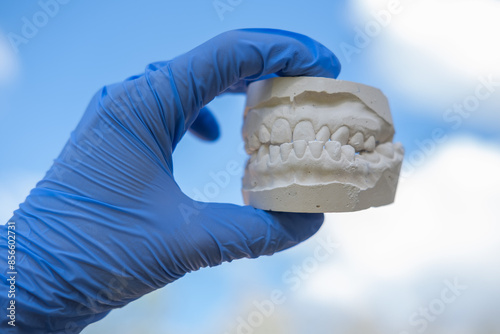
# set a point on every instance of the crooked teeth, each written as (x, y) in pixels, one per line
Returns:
(357, 141)
(316, 147)
(341, 135)
(281, 132)
(274, 153)
(304, 131)
(336, 151)
(264, 135)
(282, 139)
(370, 144)
(386, 149)
(285, 149)
(323, 134)
(299, 146)
(348, 152)
(333, 149)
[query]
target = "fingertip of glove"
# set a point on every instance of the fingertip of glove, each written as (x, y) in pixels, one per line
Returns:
(205, 126)
(337, 66)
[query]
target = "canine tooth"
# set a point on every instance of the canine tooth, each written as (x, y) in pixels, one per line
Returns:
(370, 144)
(285, 149)
(333, 149)
(357, 141)
(299, 146)
(341, 135)
(274, 153)
(348, 152)
(304, 131)
(281, 132)
(323, 134)
(316, 147)
(386, 149)
(264, 135)
(263, 151)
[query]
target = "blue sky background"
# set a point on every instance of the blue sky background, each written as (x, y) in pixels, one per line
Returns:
(46, 85)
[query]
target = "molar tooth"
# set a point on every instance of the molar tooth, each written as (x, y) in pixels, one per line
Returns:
(263, 151)
(281, 132)
(316, 147)
(299, 146)
(323, 134)
(348, 152)
(371, 157)
(252, 143)
(370, 144)
(274, 153)
(341, 135)
(304, 131)
(264, 135)
(399, 148)
(285, 149)
(253, 157)
(386, 149)
(333, 149)
(357, 141)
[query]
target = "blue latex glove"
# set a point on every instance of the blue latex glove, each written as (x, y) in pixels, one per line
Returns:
(109, 224)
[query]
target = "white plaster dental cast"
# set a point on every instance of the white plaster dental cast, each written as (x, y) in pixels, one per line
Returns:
(318, 145)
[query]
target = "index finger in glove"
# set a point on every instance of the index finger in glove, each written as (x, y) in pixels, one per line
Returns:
(209, 69)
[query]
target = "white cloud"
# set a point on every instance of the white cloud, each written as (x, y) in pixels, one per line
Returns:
(434, 51)
(460, 35)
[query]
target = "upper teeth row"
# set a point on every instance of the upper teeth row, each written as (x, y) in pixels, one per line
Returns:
(281, 133)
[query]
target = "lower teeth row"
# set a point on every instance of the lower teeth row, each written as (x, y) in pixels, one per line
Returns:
(334, 149)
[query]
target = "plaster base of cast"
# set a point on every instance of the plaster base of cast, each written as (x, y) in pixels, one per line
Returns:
(318, 145)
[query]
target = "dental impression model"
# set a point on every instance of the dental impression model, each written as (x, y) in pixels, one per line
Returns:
(318, 145)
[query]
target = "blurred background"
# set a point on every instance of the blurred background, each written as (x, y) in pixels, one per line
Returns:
(429, 263)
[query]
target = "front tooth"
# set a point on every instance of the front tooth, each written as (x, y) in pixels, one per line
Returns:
(357, 141)
(304, 131)
(299, 146)
(370, 144)
(274, 153)
(348, 152)
(281, 132)
(341, 135)
(252, 144)
(264, 135)
(323, 134)
(316, 147)
(285, 149)
(263, 151)
(386, 149)
(333, 149)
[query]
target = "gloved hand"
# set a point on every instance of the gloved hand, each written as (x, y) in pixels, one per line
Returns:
(108, 223)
